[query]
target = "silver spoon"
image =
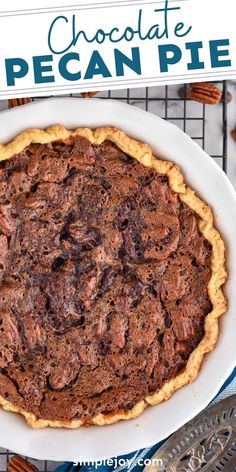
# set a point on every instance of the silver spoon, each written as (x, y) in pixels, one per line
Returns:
(205, 444)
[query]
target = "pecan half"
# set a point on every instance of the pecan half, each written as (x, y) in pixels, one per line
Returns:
(233, 134)
(62, 376)
(16, 102)
(18, 464)
(204, 92)
(9, 334)
(6, 221)
(183, 93)
(3, 250)
(88, 94)
(34, 335)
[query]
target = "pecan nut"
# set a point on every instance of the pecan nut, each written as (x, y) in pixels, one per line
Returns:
(61, 376)
(3, 250)
(7, 223)
(88, 94)
(9, 334)
(17, 102)
(204, 92)
(233, 134)
(18, 464)
(34, 335)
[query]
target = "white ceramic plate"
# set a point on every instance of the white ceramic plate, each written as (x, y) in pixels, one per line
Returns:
(203, 174)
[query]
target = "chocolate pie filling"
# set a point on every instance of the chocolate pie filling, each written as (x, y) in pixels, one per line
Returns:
(103, 280)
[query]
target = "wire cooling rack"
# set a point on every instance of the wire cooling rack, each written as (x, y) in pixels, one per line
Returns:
(207, 125)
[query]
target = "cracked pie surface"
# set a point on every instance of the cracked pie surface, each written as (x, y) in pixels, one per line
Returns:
(110, 277)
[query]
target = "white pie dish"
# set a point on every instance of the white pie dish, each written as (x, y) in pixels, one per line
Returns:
(203, 174)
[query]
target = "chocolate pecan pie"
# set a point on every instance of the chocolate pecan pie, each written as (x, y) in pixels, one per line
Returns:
(110, 277)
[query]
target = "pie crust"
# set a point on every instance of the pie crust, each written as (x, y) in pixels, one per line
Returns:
(143, 153)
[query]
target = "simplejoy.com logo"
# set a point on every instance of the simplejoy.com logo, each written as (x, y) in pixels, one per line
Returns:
(121, 463)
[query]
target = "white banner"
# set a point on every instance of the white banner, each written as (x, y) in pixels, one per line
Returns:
(52, 47)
